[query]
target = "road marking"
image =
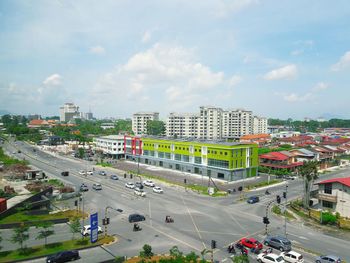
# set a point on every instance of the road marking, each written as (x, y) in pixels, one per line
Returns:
(211, 232)
(301, 237)
(197, 230)
(235, 220)
(150, 214)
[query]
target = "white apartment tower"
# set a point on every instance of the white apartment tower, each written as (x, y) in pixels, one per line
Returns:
(182, 125)
(259, 125)
(237, 123)
(210, 123)
(68, 112)
(140, 119)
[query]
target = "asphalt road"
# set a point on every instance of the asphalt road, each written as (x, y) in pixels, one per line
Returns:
(198, 219)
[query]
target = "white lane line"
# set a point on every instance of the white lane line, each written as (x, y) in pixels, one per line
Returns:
(195, 226)
(301, 237)
(236, 221)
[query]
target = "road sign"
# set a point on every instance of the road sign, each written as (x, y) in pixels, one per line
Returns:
(94, 228)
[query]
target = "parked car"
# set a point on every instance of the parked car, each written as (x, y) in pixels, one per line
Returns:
(157, 190)
(63, 256)
(84, 187)
(289, 177)
(136, 218)
(90, 173)
(328, 259)
(253, 199)
(292, 257)
(114, 177)
(103, 173)
(86, 230)
(149, 183)
(97, 186)
(270, 258)
(65, 173)
(130, 185)
(82, 172)
(251, 243)
(278, 242)
(139, 185)
(139, 192)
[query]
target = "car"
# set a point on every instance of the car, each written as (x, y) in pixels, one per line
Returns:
(328, 259)
(149, 183)
(97, 186)
(253, 199)
(269, 258)
(90, 173)
(19, 151)
(84, 188)
(157, 190)
(86, 230)
(102, 173)
(292, 257)
(139, 185)
(136, 218)
(251, 243)
(82, 172)
(139, 192)
(114, 177)
(278, 242)
(63, 256)
(289, 177)
(65, 173)
(14, 152)
(130, 185)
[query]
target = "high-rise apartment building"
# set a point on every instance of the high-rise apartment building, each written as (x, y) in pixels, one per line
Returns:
(182, 125)
(210, 123)
(68, 112)
(237, 123)
(140, 119)
(259, 125)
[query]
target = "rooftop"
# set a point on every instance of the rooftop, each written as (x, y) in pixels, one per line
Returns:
(343, 181)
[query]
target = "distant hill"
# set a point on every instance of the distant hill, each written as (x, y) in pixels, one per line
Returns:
(4, 112)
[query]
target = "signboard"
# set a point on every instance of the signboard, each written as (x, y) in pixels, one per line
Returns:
(94, 228)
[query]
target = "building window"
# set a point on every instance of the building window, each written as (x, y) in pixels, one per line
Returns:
(178, 157)
(327, 204)
(151, 153)
(218, 163)
(167, 156)
(185, 158)
(328, 189)
(161, 155)
(145, 152)
(198, 160)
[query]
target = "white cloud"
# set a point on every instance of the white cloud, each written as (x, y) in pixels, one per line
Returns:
(146, 37)
(286, 72)
(342, 63)
(98, 50)
(293, 97)
(320, 86)
(167, 74)
(53, 80)
(225, 7)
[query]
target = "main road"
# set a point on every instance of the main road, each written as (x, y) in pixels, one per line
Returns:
(198, 219)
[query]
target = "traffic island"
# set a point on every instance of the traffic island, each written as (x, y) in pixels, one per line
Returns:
(28, 253)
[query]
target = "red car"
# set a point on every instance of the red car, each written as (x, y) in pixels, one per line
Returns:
(251, 243)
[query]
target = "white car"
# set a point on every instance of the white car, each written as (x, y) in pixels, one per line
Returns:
(270, 258)
(139, 192)
(157, 190)
(97, 186)
(149, 183)
(292, 257)
(82, 172)
(90, 173)
(86, 230)
(130, 185)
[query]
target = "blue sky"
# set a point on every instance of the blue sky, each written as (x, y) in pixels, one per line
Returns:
(277, 58)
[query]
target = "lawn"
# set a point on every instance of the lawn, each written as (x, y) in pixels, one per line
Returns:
(265, 183)
(9, 256)
(23, 217)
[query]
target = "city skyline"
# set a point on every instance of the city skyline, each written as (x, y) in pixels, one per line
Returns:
(276, 59)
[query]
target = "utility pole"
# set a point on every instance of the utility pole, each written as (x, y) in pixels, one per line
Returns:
(285, 211)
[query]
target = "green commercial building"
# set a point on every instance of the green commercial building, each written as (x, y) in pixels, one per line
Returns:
(219, 159)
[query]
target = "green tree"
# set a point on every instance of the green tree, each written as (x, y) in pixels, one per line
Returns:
(146, 251)
(81, 153)
(45, 231)
(309, 173)
(20, 235)
(240, 259)
(75, 226)
(191, 257)
(175, 252)
(155, 127)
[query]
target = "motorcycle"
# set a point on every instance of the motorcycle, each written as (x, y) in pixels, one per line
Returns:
(168, 219)
(137, 228)
(267, 192)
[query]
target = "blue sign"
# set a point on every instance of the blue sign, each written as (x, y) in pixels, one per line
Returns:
(93, 228)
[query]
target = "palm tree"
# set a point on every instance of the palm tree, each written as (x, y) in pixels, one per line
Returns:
(309, 172)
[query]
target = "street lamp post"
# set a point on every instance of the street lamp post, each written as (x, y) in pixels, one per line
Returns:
(285, 211)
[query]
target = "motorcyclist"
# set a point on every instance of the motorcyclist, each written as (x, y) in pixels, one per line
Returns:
(267, 192)
(136, 227)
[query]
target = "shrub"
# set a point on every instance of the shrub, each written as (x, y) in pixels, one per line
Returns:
(328, 218)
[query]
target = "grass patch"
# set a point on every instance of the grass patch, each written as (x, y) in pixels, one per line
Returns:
(104, 164)
(262, 184)
(55, 182)
(21, 216)
(27, 253)
(277, 210)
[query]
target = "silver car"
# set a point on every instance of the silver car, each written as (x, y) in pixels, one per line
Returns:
(278, 242)
(328, 259)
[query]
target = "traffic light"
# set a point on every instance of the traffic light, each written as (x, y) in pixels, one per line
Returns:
(284, 195)
(240, 188)
(213, 244)
(185, 181)
(130, 176)
(266, 220)
(76, 202)
(105, 221)
(278, 199)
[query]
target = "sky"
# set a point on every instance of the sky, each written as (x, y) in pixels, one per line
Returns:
(279, 59)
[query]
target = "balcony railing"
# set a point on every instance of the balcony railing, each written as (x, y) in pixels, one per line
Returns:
(327, 197)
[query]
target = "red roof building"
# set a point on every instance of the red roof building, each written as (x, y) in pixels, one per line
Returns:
(301, 140)
(37, 123)
(279, 160)
(259, 139)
